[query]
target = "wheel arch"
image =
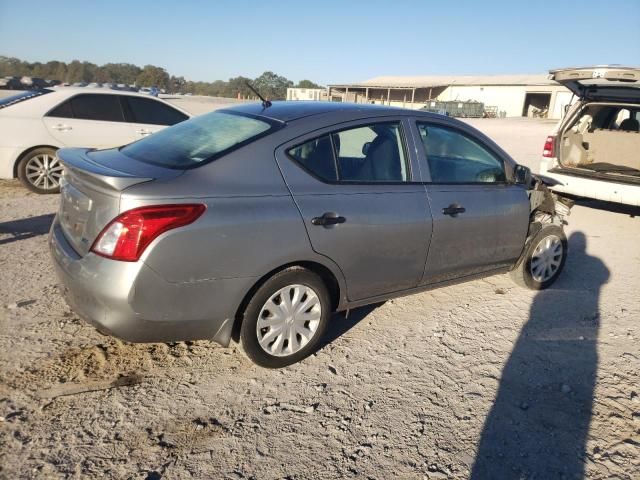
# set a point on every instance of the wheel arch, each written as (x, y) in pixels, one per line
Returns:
(26, 152)
(328, 277)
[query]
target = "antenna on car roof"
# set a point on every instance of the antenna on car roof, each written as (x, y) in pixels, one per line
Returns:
(265, 103)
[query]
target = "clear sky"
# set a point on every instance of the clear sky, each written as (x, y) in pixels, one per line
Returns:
(325, 41)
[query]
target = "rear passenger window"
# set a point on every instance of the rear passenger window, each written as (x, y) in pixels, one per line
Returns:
(374, 153)
(97, 107)
(63, 110)
(316, 156)
(370, 154)
(454, 157)
(152, 112)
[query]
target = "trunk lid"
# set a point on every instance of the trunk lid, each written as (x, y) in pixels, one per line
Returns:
(91, 189)
(601, 83)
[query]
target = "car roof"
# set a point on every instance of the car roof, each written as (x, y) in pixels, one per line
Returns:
(45, 99)
(110, 91)
(286, 111)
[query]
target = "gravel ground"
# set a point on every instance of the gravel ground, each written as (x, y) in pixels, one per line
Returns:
(481, 380)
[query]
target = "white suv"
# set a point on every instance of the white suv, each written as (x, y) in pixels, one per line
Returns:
(34, 124)
(594, 151)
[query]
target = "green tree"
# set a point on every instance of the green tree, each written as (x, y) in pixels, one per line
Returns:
(176, 84)
(272, 86)
(11, 66)
(269, 84)
(121, 73)
(308, 84)
(153, 76)
(60, 73)
(78, 71)
(237, 86)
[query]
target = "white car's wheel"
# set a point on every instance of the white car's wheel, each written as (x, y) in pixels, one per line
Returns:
(40, 171)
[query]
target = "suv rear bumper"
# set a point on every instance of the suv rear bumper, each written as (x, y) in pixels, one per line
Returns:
(589, 186)
(130, 301)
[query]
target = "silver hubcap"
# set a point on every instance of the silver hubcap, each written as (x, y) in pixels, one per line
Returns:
(44, 171)
(546, 258)
(288, 320)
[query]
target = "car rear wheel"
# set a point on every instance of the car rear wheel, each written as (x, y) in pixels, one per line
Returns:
(40, 171)
(543, 259)
(286, 318)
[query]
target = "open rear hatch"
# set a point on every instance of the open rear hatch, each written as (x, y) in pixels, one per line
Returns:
(91, 189)
(602, 137)
(602, 83)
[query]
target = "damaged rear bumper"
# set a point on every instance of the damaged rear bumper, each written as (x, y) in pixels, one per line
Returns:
(130, 301)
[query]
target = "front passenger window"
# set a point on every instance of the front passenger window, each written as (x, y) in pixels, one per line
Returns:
(454, 157)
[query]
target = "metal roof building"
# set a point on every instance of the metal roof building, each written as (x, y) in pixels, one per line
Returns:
(514, 95)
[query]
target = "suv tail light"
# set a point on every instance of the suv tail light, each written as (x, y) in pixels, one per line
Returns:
(549, 147)
(127, 235)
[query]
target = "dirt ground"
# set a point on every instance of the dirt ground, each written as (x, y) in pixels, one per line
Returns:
(480, 380)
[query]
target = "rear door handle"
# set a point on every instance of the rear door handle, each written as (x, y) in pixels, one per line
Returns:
(454, 209)
(61, 127)
(143, 131)
(327, 219)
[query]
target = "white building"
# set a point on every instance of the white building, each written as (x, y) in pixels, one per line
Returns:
(307, 94)
(515, 95)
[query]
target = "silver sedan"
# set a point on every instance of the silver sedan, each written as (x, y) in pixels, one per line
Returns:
(259, 221)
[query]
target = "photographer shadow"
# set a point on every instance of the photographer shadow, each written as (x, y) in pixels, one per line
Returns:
(539, 422)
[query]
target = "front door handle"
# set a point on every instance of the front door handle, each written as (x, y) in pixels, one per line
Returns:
(61, 127)
(143, 131)
(327, 219)
(454, 209)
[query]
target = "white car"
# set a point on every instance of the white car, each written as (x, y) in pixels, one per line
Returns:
(33, 125)
(594, 151)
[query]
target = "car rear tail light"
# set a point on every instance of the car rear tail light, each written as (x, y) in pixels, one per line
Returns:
(549, 147)
(126, 236)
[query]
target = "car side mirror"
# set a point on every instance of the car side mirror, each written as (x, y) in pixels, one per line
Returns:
(522, 175)
(365, 148)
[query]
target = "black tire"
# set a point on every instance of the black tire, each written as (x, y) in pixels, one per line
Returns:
(523, 275)
(26, 167)
(249, 332)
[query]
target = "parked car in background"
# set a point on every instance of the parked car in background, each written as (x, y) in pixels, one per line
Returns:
(153, 91)
(263, 220)
(11, 83)
(33, 125)
(594, 151)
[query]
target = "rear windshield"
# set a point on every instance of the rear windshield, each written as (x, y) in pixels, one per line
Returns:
(199, 140)
(21, 97)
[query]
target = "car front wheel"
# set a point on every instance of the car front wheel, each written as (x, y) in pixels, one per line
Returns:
(40, 171)
(543, 259)
(286, 318)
